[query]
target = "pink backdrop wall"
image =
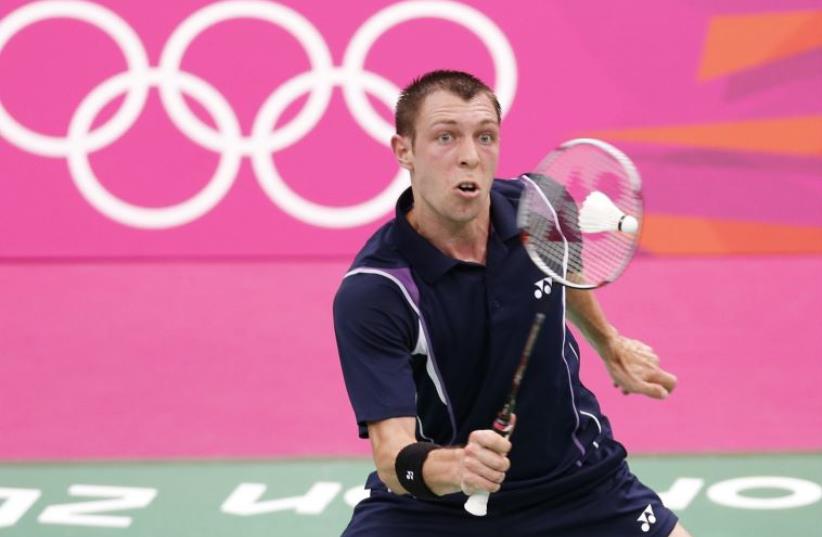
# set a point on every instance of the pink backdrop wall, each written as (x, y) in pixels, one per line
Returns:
(718, 102)
(108, 348)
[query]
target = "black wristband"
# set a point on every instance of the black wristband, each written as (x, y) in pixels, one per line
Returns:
(408, 466)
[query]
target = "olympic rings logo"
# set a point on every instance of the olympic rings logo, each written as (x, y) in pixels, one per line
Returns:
(227, 139)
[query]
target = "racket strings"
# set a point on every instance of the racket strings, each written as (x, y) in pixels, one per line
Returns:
(553, 221)
(552, 247)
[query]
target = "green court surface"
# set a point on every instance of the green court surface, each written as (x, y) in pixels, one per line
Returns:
(745, 495)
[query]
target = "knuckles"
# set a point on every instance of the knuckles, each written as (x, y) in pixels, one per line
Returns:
(485, 461)
(474, 483)
(490, 440)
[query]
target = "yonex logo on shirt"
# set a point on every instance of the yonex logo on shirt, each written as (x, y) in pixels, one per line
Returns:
(647, 518)
(409, 475)
(543, 287)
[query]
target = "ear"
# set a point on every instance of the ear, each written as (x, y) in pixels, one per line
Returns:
(403, 152)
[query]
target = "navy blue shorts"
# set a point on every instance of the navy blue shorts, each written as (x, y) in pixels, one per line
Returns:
(616, 506)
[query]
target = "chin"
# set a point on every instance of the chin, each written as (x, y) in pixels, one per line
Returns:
(464, 217)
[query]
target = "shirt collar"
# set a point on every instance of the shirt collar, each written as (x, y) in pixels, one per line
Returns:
(429, 261)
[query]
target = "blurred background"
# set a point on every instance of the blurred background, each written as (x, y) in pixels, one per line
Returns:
(183, 185)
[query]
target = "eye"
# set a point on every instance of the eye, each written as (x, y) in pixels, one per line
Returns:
(445, 137)
(487, 138)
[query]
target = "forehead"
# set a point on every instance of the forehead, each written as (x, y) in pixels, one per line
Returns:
(444, 106)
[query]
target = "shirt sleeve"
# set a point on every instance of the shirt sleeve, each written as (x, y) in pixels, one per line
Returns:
(375, 330)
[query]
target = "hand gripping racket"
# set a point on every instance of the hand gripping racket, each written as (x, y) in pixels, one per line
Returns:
(579, 214)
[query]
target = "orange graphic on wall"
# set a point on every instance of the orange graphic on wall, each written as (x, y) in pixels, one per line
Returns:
(735, 43)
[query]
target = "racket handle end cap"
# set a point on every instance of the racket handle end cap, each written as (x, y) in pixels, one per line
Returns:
(477, 504)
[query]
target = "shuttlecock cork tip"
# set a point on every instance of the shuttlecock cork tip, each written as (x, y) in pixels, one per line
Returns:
(628, 224)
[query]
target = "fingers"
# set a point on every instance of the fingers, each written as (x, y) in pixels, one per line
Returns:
(488, 449)
(481, 476)
(485, 462)
(657, 384)
(646, 380)
(654, 391)
(490, 440)
(634, 367)
(664, 379)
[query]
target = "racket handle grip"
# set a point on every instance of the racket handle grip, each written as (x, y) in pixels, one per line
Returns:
(477, 503)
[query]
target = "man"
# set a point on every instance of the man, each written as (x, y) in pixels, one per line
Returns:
(430, 323)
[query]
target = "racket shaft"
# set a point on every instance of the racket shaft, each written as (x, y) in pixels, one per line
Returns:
(477, 503)
(502, 425)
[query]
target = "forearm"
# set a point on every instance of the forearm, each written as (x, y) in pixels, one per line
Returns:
(441, 471)
(633, 365)
(585, 312)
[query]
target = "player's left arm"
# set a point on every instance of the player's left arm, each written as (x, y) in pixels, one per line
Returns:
(633, 365)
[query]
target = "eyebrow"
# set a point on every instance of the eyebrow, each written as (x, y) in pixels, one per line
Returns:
(454, 122)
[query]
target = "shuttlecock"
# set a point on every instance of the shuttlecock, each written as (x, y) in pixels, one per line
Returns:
(598, 213)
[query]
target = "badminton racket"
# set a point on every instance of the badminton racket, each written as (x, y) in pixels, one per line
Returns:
(579, 215)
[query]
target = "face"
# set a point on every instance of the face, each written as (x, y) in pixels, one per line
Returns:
(453, 157)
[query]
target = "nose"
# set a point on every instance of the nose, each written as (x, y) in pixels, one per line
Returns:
(468, 155)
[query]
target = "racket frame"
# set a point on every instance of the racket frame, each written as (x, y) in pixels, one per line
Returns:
(634, 182)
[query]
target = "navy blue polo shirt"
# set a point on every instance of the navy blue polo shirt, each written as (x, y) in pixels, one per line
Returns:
(423, 335)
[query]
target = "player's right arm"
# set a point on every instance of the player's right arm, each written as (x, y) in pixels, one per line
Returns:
(376, 332)
(479, 465)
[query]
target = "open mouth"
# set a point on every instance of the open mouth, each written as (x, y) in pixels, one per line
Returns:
(468, 187)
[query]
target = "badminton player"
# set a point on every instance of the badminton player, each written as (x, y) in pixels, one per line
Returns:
(430, 322)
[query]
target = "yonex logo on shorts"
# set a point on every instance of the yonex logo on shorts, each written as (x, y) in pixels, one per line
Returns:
(543, 287)
(226, 138)
(647, 518)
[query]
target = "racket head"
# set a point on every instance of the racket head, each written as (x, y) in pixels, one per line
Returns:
(572, 236)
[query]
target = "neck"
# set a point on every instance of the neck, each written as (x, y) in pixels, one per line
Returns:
(465, 241)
